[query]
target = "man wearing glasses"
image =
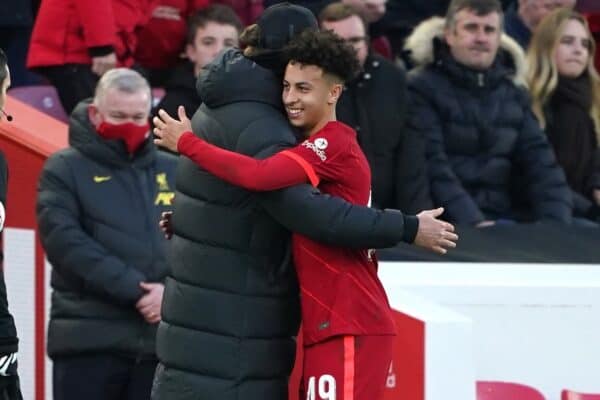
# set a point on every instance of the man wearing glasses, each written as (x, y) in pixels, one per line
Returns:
(374, 104)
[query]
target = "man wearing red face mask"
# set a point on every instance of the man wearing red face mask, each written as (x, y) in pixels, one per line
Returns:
(98, 205)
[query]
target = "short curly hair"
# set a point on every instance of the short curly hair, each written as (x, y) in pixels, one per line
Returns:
(326, 50)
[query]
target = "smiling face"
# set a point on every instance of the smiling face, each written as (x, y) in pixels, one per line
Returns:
(572, 52)
(474, 39)
(309, 97)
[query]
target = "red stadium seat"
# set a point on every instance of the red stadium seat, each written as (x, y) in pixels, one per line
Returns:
(492, 390)
(43, 98)
(571, 395)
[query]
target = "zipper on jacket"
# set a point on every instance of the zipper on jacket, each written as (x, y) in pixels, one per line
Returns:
(480, 80)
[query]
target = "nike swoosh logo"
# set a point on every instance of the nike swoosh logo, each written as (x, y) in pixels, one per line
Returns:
(100, 179)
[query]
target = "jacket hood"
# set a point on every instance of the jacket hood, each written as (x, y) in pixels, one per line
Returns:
(83, 137)
(227, 80)
(423, 50)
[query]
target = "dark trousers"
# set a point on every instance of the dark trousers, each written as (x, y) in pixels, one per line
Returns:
(102, 377)
(73, 82)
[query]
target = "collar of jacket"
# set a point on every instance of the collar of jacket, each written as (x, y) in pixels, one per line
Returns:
(83, 137)
(370, 68)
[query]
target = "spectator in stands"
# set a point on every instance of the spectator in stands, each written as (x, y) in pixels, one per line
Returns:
(374, 104)
(521, 21)
(209, 31)
(97, 209)
(161, 41)
(9, 343)
(468, 100)
(402, 16)
(74, 42)
(565, 89)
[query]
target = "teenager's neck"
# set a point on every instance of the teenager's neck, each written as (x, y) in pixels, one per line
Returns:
(322, 123)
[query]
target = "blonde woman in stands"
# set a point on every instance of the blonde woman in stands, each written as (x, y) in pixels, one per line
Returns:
(565, 90)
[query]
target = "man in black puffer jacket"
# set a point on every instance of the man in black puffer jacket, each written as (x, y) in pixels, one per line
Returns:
(98, 205)
(467, 99)
(230, 310)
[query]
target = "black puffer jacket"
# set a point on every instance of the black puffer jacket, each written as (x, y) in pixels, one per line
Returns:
(375, 105)
(8, 333)
(481, 134)
(16, 14)
(97, 211)
(231, 306)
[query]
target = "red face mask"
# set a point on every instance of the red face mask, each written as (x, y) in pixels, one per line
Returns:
(132, 134)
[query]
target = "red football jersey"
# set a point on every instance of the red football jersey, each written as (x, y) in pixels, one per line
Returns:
(341, 293)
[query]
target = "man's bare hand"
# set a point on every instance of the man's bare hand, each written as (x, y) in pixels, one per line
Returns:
(168, 130)
(103, 63)
(165, 224)
(149, 304)
(434, 234)
(596, 194)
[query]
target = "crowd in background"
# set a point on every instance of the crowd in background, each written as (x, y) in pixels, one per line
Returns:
(428, 139)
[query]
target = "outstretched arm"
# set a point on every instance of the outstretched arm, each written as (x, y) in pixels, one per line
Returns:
(278, 171)
(275, 172)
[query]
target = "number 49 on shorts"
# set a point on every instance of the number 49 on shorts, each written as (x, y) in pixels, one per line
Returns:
(321, 389)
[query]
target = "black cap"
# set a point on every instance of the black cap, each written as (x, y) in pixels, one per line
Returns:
(282, 22)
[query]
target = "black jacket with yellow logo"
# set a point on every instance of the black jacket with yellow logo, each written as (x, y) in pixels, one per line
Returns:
(98, 211)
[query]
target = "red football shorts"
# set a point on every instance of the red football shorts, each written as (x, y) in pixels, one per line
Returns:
(346, 368)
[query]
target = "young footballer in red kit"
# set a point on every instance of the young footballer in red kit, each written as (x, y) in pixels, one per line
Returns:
(347, 326)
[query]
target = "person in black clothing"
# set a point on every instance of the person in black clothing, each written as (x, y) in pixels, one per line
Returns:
(569, 108)
(97, 210)
(231, 306)
(523, 17)
(9, 343)
(210, 30)
(375, 105)
(469, 100)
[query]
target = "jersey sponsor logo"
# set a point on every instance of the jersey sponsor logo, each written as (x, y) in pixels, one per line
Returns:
(321, 143)
(323, 388)
(314, 147)
(100, 178)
